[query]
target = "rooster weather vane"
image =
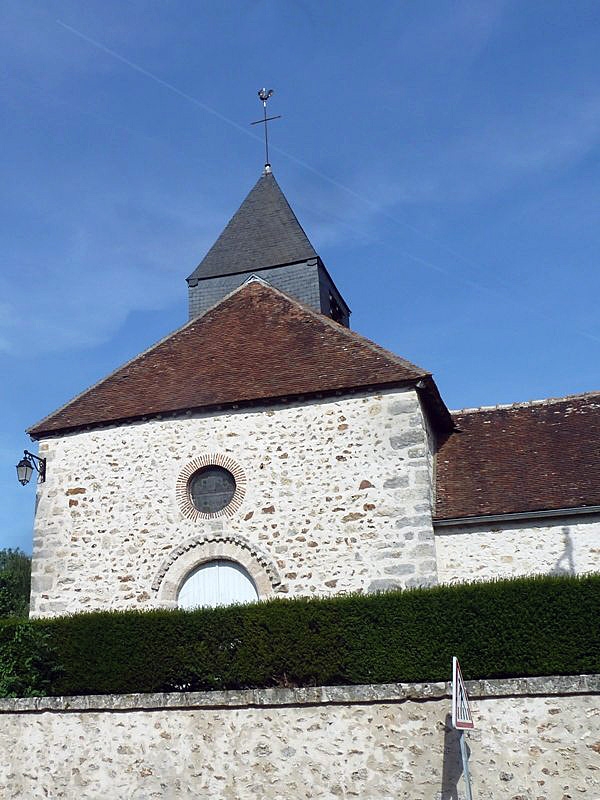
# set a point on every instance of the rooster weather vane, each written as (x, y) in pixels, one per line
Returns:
(263, 96)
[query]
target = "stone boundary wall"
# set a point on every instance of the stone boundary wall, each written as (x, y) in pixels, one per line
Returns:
(534, 739)
(308, 695)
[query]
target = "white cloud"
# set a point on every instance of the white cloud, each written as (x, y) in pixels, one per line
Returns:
(129, 256)
(553, 133)
(492, 156)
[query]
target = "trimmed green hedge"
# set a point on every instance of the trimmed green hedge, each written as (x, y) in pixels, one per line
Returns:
(526, 626)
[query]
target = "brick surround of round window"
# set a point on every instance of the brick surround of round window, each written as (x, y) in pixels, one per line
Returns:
(182, 489)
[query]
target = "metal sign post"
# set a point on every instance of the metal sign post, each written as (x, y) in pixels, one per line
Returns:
(465, 761)
(462, 720)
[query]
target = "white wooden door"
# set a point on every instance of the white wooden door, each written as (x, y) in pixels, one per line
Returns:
(217, 583)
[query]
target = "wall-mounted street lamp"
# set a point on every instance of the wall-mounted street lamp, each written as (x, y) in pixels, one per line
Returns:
(27, 464)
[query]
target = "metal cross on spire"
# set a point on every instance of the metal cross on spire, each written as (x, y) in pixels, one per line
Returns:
(263, 96)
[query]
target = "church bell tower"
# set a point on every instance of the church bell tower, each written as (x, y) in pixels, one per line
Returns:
(264, 239)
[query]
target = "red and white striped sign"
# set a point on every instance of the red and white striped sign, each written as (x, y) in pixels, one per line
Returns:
(462, 719)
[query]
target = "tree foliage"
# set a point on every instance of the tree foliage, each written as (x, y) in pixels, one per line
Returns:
(28, 662)
(15, 583)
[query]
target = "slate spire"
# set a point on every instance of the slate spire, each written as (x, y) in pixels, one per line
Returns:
(264, 238)
(263, 232)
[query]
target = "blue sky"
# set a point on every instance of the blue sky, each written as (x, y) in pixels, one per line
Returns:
(443, 158)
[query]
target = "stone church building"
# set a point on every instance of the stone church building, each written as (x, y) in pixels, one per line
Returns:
(265, 449)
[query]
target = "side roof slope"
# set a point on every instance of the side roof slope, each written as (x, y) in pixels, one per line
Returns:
(264, 232)
(522, 458)
(256, 344)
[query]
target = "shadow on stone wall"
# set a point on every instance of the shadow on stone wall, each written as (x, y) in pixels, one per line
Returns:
(452, 764)
(566, 563)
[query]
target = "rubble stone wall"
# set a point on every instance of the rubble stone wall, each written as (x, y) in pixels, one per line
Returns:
(559, 546)
(534, 739)
(334, 497)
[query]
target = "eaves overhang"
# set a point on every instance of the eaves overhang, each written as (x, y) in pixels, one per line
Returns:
(36, 433)
(518, 516)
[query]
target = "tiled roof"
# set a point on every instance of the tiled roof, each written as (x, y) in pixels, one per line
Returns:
(522, 458)
(256, 344)
(264, 232)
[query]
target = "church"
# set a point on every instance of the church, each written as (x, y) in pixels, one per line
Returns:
(265, 449)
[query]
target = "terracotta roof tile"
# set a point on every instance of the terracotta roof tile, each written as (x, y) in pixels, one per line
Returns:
(521, 458)
(256, 344)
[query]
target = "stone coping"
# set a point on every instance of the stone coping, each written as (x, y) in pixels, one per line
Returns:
(552, 685)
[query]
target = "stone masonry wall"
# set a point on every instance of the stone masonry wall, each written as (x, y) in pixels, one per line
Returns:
(337, 499)
(566, 545)
(534, 739)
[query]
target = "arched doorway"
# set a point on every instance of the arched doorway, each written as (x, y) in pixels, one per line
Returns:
(217, 583)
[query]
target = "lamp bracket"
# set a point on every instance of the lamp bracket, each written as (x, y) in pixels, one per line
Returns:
(38, 463)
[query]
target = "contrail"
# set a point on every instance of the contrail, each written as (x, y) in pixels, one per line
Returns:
(152, 76)
(213, 111)
(505, 293)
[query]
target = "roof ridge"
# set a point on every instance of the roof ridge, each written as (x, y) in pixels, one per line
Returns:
(339, 328)
(111, 374)
(527, 403)
(384, 368)
(142, 354)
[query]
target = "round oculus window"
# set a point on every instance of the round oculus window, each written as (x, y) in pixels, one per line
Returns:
(211, 489)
